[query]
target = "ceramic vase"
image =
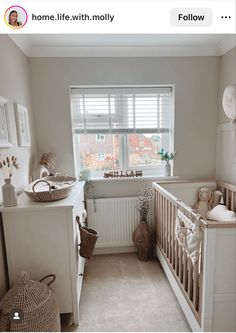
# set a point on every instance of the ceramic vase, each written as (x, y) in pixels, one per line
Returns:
(167, 170)
(9, 194)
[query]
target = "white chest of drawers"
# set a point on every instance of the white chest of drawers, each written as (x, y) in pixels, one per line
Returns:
(43, 238)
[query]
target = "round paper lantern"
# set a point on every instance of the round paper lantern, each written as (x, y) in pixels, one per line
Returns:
(228, 102)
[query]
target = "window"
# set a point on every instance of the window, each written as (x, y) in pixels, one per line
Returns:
(122, 128)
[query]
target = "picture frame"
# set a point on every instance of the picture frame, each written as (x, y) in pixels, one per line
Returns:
(5, 129)
(22, 125)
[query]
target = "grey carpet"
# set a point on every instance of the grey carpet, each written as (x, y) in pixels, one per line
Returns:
(122, 294)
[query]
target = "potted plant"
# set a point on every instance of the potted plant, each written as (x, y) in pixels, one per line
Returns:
(144, 236)
(167, 157)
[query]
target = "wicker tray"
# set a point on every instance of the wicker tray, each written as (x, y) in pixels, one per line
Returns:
(50, 188)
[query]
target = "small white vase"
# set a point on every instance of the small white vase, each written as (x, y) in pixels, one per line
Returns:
(167, 170)
(9, 194)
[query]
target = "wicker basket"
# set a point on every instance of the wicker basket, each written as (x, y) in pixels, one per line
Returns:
(88, 238)
(35, 303)
(53, 193)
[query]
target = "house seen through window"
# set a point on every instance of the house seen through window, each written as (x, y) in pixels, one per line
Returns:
(100, 156)
(122, 128)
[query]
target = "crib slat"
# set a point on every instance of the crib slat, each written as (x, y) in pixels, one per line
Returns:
(223, 191)
(169, 230)
(227, 198)
(200, 288)
(163, 222)
(165, 226)
(173, 235)
(185, 273)
(232, 204)
(190, 279)
(181, 263)
(156, 213)
(195, 285)
(160, 216)
(156, 217)
(176, 257)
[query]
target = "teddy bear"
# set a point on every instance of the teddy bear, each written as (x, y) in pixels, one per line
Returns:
(203, 205)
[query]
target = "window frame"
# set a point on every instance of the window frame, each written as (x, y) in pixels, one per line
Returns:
(124, 156)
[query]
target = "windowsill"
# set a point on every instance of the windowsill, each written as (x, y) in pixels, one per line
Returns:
(154, 178)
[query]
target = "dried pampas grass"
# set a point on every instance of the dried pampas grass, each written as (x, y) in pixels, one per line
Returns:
(7, 166)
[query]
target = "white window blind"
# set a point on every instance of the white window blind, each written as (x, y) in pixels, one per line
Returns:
(121, 110)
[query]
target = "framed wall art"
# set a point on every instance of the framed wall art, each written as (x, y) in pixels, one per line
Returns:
(5, 130)
(22, 125)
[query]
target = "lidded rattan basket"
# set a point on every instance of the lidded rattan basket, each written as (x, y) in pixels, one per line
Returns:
(35, 304)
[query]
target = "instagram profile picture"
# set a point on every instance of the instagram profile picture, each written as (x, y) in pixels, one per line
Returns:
(15, 17)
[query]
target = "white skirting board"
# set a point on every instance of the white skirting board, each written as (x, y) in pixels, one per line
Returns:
(182, 301)
(113, 250)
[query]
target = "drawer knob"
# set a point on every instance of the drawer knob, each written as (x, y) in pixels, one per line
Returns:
(81, 274)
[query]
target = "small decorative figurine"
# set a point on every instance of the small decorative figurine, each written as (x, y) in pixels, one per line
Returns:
(123, 174)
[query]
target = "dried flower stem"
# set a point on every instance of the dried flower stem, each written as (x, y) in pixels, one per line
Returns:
(7, 166)
(144, 201)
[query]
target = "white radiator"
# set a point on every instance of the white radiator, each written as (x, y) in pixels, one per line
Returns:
(114, 219)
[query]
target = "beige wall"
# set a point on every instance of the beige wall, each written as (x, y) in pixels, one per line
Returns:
(227, 76)
(15, 87)
(226, 135)
(196, 95)
(196, 81)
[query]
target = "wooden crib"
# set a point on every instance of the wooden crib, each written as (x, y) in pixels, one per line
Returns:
(206, 289)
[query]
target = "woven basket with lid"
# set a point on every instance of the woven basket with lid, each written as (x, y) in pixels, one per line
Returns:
(37, 303)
